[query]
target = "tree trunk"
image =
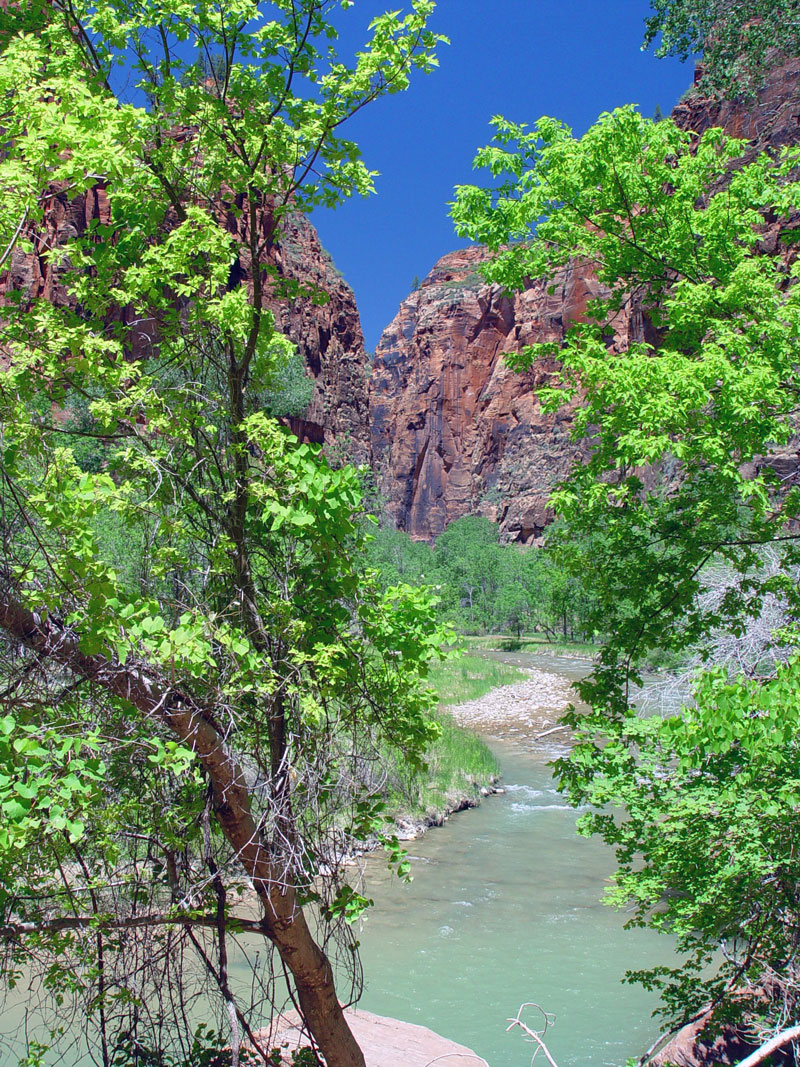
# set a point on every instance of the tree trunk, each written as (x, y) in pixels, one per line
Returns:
(282, 920)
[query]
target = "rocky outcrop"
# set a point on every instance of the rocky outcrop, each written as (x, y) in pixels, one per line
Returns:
(769, 120)
(454, 431)
(327, 334)
(385, 1042)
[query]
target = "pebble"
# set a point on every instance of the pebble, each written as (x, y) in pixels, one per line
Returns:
(522, 710)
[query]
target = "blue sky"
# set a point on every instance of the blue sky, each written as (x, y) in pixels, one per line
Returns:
(570, 59)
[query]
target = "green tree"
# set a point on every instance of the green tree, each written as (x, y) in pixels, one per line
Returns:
(399, 559)
(679, 479)
(182, 732)
(512, 606)
(739, 42)
(467, 555)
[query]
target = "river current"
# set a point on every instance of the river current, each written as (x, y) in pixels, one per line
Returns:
(505, 907)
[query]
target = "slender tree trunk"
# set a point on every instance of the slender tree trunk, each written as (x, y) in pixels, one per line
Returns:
(282, 920)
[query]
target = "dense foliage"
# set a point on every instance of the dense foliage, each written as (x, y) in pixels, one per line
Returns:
(483, 586)
(197, 674)
(739, 42)
(681, 414)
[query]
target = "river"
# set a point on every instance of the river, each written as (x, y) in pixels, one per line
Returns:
(505, 908)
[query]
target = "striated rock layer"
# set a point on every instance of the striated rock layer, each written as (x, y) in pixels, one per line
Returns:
(328, 335)
(454, 431)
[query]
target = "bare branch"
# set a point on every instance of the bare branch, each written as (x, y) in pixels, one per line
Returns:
(535, 1035)
(766, 1050)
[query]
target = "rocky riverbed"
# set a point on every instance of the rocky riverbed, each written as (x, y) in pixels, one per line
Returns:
(524, 711)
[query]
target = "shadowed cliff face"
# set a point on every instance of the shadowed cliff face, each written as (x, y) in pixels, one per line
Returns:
(330, 338)
(454, 431)
(328, 335)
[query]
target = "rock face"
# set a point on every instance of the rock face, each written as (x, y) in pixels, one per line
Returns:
(385, 1042)
(454, 431)
(328, 335)
(330, 338)
(769, 120)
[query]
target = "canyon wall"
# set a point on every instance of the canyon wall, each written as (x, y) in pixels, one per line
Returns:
(454, 431)
(328, 335)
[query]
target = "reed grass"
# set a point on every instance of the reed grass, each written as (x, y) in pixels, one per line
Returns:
(469, 677)
(459, 763)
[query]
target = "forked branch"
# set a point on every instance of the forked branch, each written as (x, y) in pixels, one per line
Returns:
(534, 1035)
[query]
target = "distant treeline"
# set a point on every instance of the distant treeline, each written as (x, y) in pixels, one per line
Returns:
(485, 586)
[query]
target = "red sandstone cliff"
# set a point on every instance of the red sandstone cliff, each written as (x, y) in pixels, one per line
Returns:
(330, 338)
(329, 335)
(769, 120)
(454, 431)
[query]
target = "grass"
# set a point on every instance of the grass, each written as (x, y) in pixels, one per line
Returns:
(468, 677)
(458, 765)
(532, 643)
(460, 762)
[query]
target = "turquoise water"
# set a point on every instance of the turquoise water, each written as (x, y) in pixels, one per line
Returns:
(505, 908)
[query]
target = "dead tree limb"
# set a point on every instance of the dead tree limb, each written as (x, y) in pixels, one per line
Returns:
(534, 1034)
(785, 1037)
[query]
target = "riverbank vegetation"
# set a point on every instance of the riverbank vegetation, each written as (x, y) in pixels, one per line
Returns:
(484, 586)
(684, 418)
(458, 763)
(466, 677)
(199, 677)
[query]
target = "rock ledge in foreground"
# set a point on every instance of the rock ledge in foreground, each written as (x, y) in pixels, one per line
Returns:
(385, 1042)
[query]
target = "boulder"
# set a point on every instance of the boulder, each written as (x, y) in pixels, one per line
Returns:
(385, 1042)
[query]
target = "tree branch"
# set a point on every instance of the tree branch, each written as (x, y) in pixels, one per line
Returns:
(133, 922)
(766, 1050)
(144, 689)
